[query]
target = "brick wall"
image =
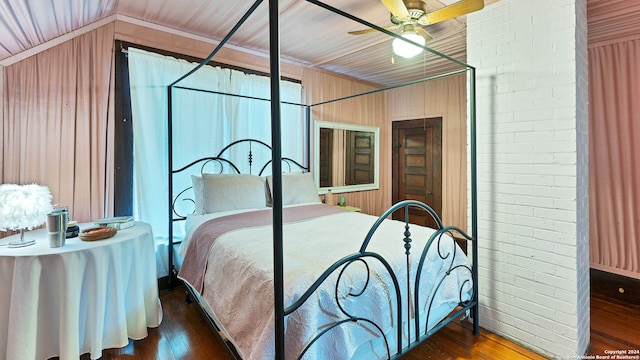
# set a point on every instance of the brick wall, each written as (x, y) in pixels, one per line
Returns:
(532, 172)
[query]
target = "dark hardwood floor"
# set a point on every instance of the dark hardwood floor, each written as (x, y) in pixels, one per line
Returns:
(184, 334)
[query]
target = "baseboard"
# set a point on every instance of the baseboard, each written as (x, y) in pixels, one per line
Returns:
(614, 286)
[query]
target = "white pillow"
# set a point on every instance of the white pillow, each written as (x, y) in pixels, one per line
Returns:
(297, 188)
(223, 192)
(197, 185)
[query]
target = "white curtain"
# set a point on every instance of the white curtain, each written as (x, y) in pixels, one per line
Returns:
(204, 123)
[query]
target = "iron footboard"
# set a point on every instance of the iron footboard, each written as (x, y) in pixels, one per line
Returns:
(407, 300)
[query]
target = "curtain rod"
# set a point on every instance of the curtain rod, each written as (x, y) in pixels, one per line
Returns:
(125, 51)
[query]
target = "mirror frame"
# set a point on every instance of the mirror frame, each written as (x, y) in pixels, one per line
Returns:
(316, 156)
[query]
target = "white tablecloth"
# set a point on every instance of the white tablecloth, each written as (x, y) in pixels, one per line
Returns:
(80, 298)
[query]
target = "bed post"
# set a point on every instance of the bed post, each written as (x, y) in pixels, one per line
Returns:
(170, 182)
(307, 114)
(276, 166)
(172, 271)
(474, 197)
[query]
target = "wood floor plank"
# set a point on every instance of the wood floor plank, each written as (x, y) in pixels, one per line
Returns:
(614, 325)
(185, 335)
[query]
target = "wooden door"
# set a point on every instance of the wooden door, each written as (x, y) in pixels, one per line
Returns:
(417, 166)
(359, 157)
(326, 157)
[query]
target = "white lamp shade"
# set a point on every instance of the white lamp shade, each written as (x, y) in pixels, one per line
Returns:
(23, 206)
(405, 49)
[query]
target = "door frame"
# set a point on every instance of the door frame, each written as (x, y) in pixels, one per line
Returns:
(411, 124)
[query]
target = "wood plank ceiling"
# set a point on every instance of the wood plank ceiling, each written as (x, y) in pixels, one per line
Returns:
(612, 20)
(310, 35)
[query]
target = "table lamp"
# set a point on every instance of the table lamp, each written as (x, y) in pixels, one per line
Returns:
(23, 207)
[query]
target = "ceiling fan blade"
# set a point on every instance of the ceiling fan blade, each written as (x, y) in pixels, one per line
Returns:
(368, 31)
(425, 34)
(397, 8)
(460, 8)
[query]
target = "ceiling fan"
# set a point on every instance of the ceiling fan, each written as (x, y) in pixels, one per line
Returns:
(411, 15)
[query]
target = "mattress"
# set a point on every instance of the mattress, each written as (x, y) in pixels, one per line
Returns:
(237, 284)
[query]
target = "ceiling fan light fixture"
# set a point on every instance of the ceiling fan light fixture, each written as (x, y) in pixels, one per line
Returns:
(405, 49)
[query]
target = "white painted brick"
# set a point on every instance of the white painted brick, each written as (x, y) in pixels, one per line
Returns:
(555, 214)
(569, 240)
(528, 244)
(518, 314)
(555, 331)
(516, 229)
(555, 147)
(564, 182)
(566, 295)
(514, 209)
(518, 335)
(565, 112)
(540, 310)
(554, 124)
(519, 271)
(544, 289)
(532, 137)
(533, 201)
(555, 169)
(550, 235)
(516, 189)
(513, 127)
(554, 192)
(528, 158)
(533, 161)
(565, 135)
(560, 347)
(565, 273)
(489, 178)
(554, 303)
(547, 256)
(569, 320)
(563, 204)
(535, 179)
(551, 279)
(514, 168)
(544, 224)
(500, 277)
(564, 159)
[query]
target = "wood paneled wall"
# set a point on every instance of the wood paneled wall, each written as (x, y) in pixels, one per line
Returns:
(446, 98)
(368, 110)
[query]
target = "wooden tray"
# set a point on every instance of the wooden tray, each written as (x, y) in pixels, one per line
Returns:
(97, 233)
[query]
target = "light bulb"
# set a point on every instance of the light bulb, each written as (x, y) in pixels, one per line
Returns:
(405, 49)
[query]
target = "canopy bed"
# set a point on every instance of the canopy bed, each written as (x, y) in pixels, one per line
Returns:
(281, 275)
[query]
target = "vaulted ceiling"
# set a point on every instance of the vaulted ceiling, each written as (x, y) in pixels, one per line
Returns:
(612, 20)
(310, 35)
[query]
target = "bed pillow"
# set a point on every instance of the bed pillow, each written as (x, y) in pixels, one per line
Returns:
(297, 188)
(197, 185)
(232, 192)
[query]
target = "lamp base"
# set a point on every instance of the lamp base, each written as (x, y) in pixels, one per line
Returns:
(17, 244)
(21, 243)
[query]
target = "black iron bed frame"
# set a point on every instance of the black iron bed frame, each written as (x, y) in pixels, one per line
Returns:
(362, 256)
(276, 163)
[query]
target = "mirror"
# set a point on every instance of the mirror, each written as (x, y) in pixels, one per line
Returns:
(346, 157)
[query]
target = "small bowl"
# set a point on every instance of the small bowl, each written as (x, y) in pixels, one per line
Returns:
(97, 233)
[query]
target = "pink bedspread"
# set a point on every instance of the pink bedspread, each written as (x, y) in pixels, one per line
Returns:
(195, 260)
